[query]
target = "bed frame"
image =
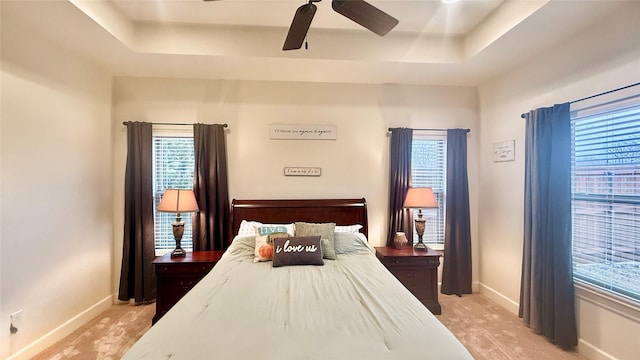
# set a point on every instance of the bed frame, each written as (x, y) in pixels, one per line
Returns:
(339, 211)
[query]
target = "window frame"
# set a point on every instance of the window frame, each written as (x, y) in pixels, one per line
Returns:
(435, 218)
(604, 109)
(168, 131)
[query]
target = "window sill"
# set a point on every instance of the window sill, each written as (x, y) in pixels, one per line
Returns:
(617, 304)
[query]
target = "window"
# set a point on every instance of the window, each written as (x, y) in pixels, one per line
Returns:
(429, 169)
(605, 185)
(173, 163)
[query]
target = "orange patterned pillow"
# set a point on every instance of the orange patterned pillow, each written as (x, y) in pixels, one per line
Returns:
(264, 240)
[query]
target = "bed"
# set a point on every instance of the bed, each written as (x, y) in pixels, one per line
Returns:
(347, 308)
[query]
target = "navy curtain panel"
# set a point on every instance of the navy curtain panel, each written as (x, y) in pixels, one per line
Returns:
(399, 182)
(546, 290)
(211, 188)
(456, 266)
(137, 278)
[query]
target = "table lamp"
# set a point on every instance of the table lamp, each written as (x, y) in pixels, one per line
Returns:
(178, 201)
(420, 198)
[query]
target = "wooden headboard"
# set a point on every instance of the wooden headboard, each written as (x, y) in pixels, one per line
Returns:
(339, 211)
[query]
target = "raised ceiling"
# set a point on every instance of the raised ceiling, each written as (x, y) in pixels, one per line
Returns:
(464, 43)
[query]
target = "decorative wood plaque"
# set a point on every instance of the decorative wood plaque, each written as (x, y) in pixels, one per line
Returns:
(302, 171)
(303, 132)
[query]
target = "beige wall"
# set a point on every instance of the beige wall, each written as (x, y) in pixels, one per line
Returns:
(56, 190)
(598, 60)
(354, 165)
(63, 154)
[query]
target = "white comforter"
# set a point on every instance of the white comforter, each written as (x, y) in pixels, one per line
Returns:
(350, 308)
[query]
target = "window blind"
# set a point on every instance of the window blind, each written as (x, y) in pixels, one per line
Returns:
(173, 164)
(605, 169)
(429, 169)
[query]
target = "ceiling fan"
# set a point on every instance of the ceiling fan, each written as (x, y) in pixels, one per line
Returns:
(359, 11)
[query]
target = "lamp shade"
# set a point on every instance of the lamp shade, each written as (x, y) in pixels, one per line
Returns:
(420, 198)
(178, 201)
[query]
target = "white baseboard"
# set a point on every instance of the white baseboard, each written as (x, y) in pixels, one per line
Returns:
(500, 299)
(591, 352)
(475, 287)
(63, 330)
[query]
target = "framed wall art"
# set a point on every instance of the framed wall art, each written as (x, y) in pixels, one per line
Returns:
(504, 151)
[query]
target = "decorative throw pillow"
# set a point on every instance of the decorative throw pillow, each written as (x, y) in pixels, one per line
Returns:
(298, 250)
(264, 240)
(325, 230)
(248, 227)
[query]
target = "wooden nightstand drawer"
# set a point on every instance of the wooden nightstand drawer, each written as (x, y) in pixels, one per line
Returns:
(183, 283)
(176, 276)
(414, 281)
(183, 268)
(416, 270)
(411, 261)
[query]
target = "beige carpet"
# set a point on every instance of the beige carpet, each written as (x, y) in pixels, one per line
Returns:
(106, 337)
(489, 331)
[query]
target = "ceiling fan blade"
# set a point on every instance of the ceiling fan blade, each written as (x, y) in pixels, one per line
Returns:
(366, 15)
(299, 26)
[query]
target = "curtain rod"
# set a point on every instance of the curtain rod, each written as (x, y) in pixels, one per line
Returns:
(178, 124)
(596, 95)
(467, 130)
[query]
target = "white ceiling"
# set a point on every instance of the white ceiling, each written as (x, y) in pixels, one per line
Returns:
(464, 43)
(417, 16)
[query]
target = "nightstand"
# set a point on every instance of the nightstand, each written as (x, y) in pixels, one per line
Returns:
(176, 276)
(416, 270)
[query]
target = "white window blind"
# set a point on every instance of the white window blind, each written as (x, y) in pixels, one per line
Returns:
(429, 169)
(173, 163)
(605, 173)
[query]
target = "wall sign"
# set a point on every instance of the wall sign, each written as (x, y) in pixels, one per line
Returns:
(303, 132)
(302, 171)
(504, 151)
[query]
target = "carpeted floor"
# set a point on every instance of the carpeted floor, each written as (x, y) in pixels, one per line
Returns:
(489, 331)
(107, 337)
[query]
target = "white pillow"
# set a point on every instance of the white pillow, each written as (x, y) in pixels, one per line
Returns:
(348, 228)
(351, 243)
(247, 228)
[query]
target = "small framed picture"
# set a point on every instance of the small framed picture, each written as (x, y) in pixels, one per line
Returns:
(504, 151)
(302, 171)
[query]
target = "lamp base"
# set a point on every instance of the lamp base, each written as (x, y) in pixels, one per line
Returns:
(178, 230)
(178, 252)
(420, 225)
(420, 246)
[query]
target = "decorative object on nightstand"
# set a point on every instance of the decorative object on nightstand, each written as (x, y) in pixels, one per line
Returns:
(178, 201)
(420, 198)
(400, 240)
